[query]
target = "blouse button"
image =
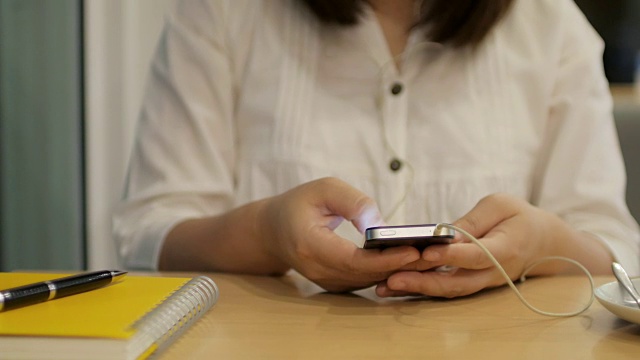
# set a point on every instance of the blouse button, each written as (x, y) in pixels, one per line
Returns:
(396, 88)
(395, 165)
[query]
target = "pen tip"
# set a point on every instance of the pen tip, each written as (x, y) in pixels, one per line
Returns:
(117, 275)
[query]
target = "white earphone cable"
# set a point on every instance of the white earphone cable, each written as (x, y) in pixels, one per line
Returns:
(409, 183)
(385, 139)
(526, 271)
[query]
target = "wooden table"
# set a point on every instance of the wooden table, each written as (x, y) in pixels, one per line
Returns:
(288, 318)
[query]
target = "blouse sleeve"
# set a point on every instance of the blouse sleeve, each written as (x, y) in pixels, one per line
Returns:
(581, 176)
(183, 159)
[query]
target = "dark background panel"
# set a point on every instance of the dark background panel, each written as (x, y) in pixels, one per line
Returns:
(618, 22)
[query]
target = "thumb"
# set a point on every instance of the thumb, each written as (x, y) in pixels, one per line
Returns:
(342, 199)
(368, 217)
(487, 214)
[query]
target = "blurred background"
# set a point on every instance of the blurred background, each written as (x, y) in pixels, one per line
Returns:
(71, 78)
(618, 22)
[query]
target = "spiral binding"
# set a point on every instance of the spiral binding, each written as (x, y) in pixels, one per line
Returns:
(172, 317)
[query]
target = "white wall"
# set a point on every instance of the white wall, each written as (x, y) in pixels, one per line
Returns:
(120, 37)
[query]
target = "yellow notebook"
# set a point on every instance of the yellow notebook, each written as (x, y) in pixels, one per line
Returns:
(129, 319)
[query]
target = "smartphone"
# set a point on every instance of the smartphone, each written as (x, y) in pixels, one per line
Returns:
(418, 236)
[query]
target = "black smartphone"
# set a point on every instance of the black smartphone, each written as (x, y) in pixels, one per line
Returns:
(418, 236)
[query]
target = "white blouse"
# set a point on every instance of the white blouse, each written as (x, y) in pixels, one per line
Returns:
(247, 99)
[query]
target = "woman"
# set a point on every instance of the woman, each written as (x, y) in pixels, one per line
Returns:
(267, 123)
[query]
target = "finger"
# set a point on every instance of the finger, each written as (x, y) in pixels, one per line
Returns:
(469, 255)
(382, 290)
(489, 212)
(340, 198)
(347, 260)
(433, 283)
(350, 275)
(420, 265)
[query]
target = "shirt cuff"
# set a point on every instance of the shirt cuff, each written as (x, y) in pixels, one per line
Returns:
(144, 253)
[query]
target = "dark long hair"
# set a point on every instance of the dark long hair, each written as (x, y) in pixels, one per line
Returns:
(452, 22)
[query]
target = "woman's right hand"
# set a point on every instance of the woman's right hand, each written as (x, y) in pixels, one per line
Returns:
(298, 229)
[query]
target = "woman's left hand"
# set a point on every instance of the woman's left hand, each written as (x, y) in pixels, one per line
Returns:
(514, 231)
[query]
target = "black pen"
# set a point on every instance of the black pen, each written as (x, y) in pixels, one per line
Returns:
(53, 289)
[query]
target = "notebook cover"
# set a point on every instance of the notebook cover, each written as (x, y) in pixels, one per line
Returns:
(105, 313)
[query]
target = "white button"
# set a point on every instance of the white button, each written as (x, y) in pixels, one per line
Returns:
(387, 232)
